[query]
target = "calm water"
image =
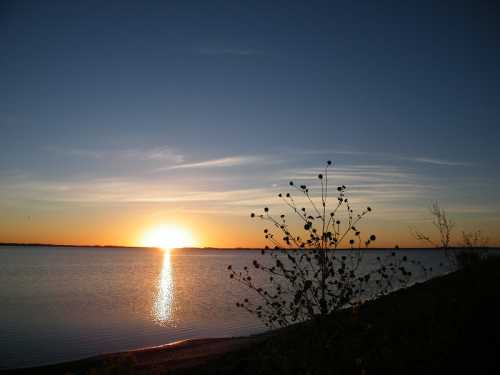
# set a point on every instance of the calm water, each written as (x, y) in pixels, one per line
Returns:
(58, 304)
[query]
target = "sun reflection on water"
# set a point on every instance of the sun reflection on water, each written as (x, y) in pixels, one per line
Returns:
(163, 304)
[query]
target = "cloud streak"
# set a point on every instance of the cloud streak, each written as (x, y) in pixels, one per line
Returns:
(163, 154)
(439, 162)
(389, 156)
(228, 51)
(362, 180)
(231, 161)
(238, 191)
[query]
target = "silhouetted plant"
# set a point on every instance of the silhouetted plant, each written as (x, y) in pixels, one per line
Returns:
(470, 252)
(474, 240)
(444, 226)
(473, 250)
(305, 275)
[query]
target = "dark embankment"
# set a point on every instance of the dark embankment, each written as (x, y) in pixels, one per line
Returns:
(448, 325)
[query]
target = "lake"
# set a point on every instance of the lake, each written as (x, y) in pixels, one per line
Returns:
(65, 303)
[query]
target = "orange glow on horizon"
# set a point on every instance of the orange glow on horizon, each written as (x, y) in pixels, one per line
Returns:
(166, 237)
(108, 226)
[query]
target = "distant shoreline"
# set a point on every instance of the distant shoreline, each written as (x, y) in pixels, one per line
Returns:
(64, 245)
(18, 244)
(120, 246)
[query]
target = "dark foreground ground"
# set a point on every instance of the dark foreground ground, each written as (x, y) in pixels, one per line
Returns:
(447, 325)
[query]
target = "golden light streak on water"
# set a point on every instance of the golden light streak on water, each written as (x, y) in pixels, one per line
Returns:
(163, 303)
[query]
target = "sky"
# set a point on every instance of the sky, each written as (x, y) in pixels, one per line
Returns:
(119, 116)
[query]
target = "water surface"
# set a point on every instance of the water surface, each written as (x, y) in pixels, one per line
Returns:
(62, 303)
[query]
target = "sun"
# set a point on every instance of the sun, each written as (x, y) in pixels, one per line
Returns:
(167, 237)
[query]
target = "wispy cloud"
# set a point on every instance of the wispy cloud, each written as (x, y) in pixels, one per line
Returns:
(392, 191)
(228, 51)
(123, 190)
(376, 183)
(355, 174)
(231, 161)
(389, 156)
(439, 162)
(163, 154)
(88, 154)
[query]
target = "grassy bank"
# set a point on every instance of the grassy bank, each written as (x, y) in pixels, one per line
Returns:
(451, 323)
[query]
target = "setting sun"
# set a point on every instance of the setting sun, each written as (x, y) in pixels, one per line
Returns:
(167, 237)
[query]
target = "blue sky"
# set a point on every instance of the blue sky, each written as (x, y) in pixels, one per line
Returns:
(208, 106)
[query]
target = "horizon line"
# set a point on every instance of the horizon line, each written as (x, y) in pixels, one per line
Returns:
(36, 244)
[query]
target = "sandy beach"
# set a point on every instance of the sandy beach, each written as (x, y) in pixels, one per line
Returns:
(174, 356)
